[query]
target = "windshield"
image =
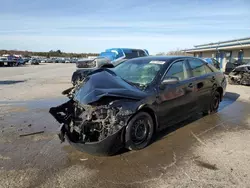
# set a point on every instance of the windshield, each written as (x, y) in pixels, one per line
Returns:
(139, 71)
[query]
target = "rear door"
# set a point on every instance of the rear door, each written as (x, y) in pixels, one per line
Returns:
(204, 82)
(176, 101)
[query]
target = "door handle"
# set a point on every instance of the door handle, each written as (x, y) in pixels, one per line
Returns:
(200, 85)
(190, 85)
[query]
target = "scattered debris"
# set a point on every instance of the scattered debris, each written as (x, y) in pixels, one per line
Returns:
(206, 165)
(84, 159)
(29, 125)
(4, 158)
(33, 133)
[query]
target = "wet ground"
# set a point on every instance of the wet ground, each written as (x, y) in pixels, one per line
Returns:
(210, 151)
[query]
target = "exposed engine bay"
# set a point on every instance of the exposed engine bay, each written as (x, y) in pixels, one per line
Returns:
(97, 113)
(240, 75)
(89, 123)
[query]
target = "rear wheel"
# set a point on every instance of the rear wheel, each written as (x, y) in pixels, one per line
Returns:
(214, 104)
(139, 131)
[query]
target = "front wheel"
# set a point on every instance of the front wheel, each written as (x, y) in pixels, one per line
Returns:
(139, 131)
(214, 104)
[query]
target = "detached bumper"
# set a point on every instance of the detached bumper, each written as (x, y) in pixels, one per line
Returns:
(109, 146)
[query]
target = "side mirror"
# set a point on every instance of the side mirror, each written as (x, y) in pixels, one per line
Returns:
(170, 80)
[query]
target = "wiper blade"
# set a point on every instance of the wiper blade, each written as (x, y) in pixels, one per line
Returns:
(135, 84)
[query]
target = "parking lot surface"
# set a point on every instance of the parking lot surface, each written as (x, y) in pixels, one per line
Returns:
(210, 151)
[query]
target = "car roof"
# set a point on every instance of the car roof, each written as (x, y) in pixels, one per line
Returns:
(125, 49)
(207, 58)
(162, 58)
(247, 65)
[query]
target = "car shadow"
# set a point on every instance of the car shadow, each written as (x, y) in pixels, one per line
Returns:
(9, 82)
(228, 100)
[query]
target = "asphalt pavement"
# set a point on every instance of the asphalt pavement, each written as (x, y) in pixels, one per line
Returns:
(210, 151)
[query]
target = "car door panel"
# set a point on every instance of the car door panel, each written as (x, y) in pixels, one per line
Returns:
(176, 101)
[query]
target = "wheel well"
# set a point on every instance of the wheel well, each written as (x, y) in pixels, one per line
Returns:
(151, 113)
(220, 90)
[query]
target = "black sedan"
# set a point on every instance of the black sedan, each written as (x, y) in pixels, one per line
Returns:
(126, 105)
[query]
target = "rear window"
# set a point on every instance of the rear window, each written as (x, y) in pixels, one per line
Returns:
(213, 68)
(134, 53)
(197, 67)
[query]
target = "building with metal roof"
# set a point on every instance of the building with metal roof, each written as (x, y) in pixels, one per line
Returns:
(230, 51)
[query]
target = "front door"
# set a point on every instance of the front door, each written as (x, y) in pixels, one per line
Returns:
(176, 101)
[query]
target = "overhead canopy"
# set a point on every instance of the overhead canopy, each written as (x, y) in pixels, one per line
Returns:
(223, 45)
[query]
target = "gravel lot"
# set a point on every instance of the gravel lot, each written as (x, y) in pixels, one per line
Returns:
(211, 151)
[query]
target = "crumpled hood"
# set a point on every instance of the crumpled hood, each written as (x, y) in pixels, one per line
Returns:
(105, 83)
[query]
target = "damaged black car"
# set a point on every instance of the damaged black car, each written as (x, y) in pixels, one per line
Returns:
(125, 106)
(240, 75)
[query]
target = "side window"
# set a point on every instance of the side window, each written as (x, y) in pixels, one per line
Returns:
(197, 67)
(213, 68)
(177, 70)
(208, 70)
(141, 53)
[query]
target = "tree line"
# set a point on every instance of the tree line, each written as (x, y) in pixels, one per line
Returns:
(51, 53)
(175, 52)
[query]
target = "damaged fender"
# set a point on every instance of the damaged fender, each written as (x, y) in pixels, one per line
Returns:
(96, 124)
(240, 75)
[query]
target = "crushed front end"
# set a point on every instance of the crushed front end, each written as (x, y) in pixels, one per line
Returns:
(94, 118)
(242, 78)
(96, 128)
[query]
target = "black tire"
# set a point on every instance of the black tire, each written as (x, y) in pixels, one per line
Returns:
(214, 104)
(139, 131)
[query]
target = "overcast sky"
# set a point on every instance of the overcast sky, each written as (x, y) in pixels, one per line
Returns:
(94, 25)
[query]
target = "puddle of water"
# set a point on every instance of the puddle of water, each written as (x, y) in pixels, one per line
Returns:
(37, 104)
(36, 114)
(9, 82)
(47, 153)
